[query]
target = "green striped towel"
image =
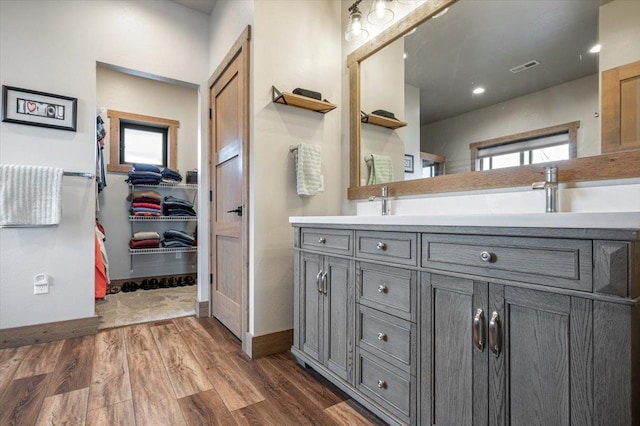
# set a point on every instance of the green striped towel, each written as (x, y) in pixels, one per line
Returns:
(308, 169)
(380, 169)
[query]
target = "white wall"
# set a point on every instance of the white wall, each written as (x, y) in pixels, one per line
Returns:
(123, 92)
(619, 30)
(295, 44)
(160, 38)
(382, 87)
(573, 101)
(412, 130)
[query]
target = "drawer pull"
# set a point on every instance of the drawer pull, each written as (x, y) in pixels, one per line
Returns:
(478, 330)
(322, 240)
(382, 384)
(381, 246)
(485, 256)
(382, 336)
(495, 334)
(383, 289)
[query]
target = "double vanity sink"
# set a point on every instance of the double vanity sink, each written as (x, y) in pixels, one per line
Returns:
(440, 319)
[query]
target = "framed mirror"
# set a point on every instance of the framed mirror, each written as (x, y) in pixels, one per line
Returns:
(423, 70)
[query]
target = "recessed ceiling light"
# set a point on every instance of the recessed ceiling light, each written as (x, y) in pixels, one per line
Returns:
(478, 90)
(595, 49)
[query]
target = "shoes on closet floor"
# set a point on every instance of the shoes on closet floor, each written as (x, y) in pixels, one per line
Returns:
(181, 283)
(145, 284)
(189, 280)
(163, 283)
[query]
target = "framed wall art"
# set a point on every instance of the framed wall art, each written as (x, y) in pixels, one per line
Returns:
(34, 108)
(408, 163)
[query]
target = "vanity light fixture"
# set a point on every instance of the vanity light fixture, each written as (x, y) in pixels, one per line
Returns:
(596, 48)
(355, 32)
(478, 90)
(381, 13)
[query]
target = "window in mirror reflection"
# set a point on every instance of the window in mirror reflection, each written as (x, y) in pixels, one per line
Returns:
(522, 153)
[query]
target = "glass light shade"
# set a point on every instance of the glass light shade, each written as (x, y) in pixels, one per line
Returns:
(355, 32)
(380, 13)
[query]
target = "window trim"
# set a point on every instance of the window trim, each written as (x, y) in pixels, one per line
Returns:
(115, 117)
(571, 128)
(160, 130)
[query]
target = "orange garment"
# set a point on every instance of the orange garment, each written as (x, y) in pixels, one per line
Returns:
(101, 276)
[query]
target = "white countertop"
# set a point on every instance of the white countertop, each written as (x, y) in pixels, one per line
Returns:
(621, 220)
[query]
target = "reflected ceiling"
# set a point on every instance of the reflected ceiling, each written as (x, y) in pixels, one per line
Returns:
(477, 43)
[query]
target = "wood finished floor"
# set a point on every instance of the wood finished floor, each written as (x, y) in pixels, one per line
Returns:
(185, 371)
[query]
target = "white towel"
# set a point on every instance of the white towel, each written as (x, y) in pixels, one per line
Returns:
(308, 161)
(30, 195)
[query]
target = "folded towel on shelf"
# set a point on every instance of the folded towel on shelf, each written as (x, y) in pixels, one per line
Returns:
(145, 235)
(140, 167)
(151, 243)
(147, 194)
(308, 162)
(30, 196)
(170, 175)
(380, 169)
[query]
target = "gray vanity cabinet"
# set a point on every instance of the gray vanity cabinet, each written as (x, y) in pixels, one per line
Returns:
(326, 304)
(496, 354)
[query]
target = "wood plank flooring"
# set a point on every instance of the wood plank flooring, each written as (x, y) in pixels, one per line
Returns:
(185, 371)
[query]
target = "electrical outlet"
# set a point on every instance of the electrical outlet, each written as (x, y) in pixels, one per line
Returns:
(41, 289)
(41, 284)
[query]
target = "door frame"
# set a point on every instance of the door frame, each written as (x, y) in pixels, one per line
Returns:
(241, 48)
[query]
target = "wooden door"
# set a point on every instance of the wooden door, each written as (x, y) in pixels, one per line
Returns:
(311, 268)
(454, 369)
(228, 99)
(339, 304)
(543, 372)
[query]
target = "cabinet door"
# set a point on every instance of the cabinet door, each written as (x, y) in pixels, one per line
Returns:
(339, 317)
(454, 371)
(542, 373)
(310, 305)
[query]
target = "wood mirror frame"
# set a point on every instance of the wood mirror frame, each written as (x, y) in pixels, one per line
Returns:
(600, 167)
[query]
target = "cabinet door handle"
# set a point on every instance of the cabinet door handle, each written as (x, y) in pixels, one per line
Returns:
(322, 240)
(382, 384)
(382, 336)
(478, 330)
(382, 288)
(318, 281)
(381, 246)
(324, 282)
(495, 334)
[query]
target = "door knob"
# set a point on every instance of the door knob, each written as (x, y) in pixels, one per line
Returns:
(237, 210)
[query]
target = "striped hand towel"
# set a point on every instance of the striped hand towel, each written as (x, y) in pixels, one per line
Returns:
(308, 161)
(380, 169)
(30, 196)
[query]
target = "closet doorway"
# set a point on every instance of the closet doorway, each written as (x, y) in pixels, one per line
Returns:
(229, 174)
(158, 283)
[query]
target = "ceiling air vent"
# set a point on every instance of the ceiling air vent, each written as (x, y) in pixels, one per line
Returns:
(524, 66)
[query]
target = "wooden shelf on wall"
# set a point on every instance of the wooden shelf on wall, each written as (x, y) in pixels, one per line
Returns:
(378, 120)
(291, 99)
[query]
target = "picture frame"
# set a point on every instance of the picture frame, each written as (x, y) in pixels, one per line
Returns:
(408, 163)
(33, 108)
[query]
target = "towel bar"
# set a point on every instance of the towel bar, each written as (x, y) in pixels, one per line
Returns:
(368, 158)
(293, 148)
(81, 174)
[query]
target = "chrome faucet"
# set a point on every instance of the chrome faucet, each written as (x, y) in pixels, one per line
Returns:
(386, 202)
(550, 186)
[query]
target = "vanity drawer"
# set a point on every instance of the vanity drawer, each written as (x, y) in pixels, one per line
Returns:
(390, 247)
(386, 385)
(552, 262)
(386, 336)
(338, 241)
(388, 289)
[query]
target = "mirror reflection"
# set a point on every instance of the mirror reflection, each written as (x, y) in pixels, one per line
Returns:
(488, 84)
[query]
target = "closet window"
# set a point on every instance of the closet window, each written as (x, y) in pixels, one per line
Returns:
(137, 138)
(555, 143)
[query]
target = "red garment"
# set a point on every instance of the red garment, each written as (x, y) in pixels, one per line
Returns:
(146, 214)
(100, 274)
(146, 200)
(146, 205)
(151, 243)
